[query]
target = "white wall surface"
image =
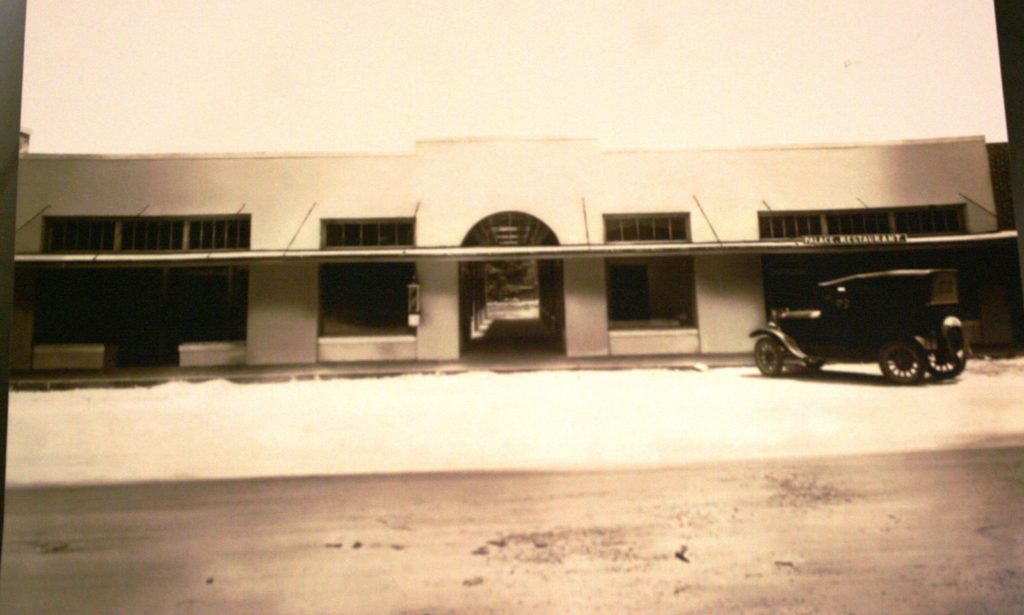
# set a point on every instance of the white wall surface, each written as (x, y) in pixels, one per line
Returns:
(457, 183)
(276, 191)
(654, 341)
(731, 184)
(461, 182)
(730, 301)
(366, 348)
(73, 356)
(206, 354)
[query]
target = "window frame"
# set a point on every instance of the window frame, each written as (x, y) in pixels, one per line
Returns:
(342, 224)
(330, 310)
(828, 218)
(178, 239)
(656, 320)
(673, 221)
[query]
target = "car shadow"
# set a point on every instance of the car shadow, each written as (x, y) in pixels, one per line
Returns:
(830, 375)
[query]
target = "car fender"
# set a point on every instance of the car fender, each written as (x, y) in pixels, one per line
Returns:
(788, 342)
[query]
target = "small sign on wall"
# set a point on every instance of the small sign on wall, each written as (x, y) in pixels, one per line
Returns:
(414, 303)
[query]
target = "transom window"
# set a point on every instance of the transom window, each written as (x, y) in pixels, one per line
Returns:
(218, 233)
(933, 220)
(86, 234)
(75, 235)
(143, 234)
(368, 233)
(858, 223)
(647, 227)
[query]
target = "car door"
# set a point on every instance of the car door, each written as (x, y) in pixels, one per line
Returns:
(832, 330)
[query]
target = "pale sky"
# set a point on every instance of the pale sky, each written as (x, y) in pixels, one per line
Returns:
(127, 76)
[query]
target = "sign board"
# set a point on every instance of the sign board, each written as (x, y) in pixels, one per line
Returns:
(871, 238)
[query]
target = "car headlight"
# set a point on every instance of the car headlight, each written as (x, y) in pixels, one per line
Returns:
(951, 322)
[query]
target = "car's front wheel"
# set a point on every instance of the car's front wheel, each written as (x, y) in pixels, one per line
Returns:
(902, 362)
(947, 367)
(769, 355)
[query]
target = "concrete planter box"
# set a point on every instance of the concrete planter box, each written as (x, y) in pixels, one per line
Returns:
(207, 354)
(366, 348)
(73, 356)
(654, 341)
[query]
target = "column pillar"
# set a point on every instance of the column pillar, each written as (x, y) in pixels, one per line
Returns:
(22, 318)
(730, 301)
(586, 308)
(438, 334)
(284, 313)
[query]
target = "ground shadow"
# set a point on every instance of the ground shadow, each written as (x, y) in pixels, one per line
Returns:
(839, 376)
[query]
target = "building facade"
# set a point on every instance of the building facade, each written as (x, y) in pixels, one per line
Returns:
(300, 259)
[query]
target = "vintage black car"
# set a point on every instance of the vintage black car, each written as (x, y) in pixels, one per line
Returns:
(906, 319)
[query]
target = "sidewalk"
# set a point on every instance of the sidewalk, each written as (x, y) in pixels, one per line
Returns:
(245, 374)
(578, 418)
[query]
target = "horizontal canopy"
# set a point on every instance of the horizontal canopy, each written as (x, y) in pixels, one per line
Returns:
(876, 275)
(481, 253)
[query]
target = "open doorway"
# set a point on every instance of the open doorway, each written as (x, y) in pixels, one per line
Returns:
(515, 306)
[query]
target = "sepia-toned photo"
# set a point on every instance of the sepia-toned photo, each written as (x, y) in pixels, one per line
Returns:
(527, 307)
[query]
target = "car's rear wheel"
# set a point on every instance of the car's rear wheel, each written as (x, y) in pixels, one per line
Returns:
(946, 367)
(769, 355)
(902, 362)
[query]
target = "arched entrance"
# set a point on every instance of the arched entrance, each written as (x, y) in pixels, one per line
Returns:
(512, 306)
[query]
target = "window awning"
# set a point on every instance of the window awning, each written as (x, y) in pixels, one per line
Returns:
(481, 253)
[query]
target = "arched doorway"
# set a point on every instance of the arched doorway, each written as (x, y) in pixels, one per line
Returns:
(511, 306)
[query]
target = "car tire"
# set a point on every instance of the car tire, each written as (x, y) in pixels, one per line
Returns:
(949, 369)
(769, 355)
(902, 362)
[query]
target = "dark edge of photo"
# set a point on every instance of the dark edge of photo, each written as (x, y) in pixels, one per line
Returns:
(12, 52)
(1010, 32)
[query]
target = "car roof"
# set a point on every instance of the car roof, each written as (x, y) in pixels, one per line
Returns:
(892, 273)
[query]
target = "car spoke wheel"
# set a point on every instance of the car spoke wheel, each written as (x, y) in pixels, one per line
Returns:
(946, 367)
(902, 363)
(768, 355)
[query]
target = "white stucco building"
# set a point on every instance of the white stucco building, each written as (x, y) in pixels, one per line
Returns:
(306, 258)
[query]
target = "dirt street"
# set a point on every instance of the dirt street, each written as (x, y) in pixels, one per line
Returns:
(927, 532)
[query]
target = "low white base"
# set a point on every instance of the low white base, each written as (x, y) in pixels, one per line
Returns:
(73, 356)
(366, 348)
(205, 354)
(654, 341)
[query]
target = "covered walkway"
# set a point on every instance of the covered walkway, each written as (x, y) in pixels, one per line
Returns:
(516, 339)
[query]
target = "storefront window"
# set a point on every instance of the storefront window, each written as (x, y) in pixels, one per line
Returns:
(144, 312)
(650, 293)
(365, 298)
